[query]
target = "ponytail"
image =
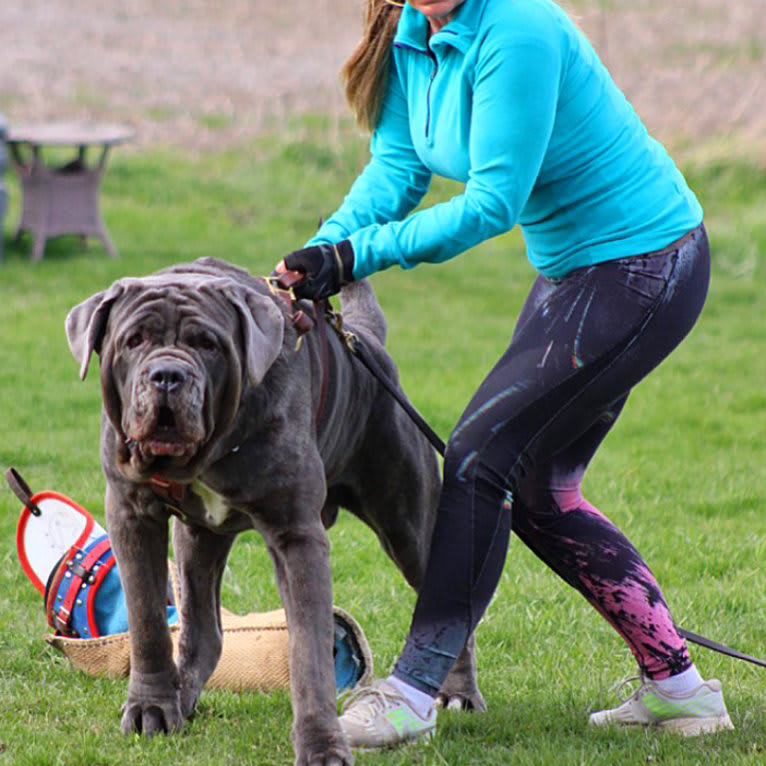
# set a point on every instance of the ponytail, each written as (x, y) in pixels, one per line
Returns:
(365, 72)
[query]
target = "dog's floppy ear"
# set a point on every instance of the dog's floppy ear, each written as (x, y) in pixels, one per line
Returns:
(86, 325)
(263, 329)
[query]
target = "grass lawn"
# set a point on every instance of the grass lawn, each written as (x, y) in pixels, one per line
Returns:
(682, 473)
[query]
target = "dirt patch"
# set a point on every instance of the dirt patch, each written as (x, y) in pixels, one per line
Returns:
(204, 73)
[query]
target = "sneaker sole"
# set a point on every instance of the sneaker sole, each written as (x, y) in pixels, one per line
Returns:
(692, 727)
(414, 740)
(688, 727)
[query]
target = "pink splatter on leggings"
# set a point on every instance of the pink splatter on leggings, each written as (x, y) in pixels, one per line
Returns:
(588, 551)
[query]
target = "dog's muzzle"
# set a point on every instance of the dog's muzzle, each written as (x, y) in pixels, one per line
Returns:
(165, 418)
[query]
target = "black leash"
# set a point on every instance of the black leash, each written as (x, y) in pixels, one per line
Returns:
(360, 351)
(708, 643)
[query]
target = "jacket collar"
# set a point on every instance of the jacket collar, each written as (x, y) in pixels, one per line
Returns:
(412, 31)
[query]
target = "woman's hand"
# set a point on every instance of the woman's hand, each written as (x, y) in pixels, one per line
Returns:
(325, 269)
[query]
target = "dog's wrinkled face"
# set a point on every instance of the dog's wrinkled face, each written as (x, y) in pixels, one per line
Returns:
(171, 373)
(175, 352)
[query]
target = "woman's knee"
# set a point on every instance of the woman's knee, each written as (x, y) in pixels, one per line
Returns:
(462, 455)
(470, 468)
(539, 494)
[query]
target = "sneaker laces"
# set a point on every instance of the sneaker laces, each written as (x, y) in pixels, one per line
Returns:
(619, 689)
(369, 701)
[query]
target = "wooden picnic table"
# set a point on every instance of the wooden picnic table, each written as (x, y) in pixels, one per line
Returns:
(62, 198)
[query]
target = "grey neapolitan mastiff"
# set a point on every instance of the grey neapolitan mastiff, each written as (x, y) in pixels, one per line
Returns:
(209, 414)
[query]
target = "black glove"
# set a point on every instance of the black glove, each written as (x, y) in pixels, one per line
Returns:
(326, 269)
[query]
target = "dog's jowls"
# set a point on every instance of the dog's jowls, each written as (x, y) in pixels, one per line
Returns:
(203, 387)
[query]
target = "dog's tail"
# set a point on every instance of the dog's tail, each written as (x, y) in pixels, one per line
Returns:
(360, 308)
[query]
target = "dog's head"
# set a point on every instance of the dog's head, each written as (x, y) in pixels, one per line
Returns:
(176, 352)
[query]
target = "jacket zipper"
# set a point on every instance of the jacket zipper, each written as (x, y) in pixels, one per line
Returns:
(431, 81)
(428, 92)
(433, 58)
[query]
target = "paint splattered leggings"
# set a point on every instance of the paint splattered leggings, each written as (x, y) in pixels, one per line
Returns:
(516, 458)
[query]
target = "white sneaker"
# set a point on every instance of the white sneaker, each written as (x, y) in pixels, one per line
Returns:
(378, 716)
(697, 712)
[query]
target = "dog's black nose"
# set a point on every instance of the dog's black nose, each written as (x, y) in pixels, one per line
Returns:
(167, 377)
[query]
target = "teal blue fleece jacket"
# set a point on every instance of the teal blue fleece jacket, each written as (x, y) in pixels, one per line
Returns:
(510, 99)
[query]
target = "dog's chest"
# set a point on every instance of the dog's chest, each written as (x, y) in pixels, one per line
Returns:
(198, 504)
(216, 509)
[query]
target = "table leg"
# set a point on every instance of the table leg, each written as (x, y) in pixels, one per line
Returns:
(38, 245)
(106, 241)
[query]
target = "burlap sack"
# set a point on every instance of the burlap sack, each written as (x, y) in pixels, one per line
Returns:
(254, 656)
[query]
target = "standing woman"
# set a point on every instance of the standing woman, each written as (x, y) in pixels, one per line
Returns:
(508, 97)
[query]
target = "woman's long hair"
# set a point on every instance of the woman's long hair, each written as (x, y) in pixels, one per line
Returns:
(365, 71)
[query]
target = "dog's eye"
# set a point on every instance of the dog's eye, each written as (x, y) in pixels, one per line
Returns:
(203, 342)
(134, 340)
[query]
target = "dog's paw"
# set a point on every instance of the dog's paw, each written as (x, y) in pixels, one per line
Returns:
(153, 705)
(460, 690)
(473, 702)
(188, 698)
(320, 751)
(150, 719)
(328, 758)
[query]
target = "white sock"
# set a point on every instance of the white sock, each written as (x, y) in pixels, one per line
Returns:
(419, 701)
(682, 683)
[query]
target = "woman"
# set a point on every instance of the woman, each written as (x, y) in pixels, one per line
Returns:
(509, 97)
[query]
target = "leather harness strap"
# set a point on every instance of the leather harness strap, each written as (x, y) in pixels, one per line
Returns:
(74, 587)
(21, 489)
(320, 312)
(169, 491)
(282, 287)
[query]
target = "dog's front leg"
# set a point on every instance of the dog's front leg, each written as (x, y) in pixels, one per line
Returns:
(201, 557)
(300, 554)
(140, 544)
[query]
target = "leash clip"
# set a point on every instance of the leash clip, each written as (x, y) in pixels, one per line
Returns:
(335, 320)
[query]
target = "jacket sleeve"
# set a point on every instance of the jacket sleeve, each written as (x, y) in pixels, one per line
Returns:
(394, 180)
(515, 92)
